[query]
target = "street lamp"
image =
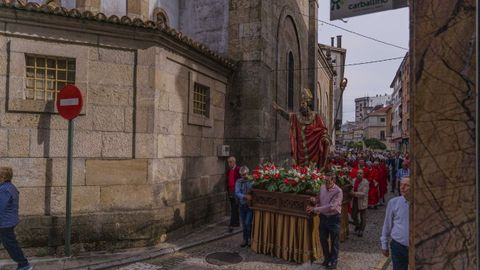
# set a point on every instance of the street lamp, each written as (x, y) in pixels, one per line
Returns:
(343, 85)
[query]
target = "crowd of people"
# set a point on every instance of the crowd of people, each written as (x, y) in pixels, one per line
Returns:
(373, 174)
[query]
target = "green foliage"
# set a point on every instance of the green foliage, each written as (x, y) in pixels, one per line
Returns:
(375, 144)
(355, 145)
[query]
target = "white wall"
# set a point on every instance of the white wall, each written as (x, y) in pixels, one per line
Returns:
(114, 7)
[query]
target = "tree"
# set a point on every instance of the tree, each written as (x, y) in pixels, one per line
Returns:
(355, 145)
(375, 144)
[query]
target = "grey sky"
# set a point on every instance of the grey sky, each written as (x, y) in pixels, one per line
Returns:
(371, 79)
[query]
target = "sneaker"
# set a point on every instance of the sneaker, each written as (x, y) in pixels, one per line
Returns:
(28, 267)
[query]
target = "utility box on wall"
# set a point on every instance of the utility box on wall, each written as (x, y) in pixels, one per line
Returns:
(223, 150)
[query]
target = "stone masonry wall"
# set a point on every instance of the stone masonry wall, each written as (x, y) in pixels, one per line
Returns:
(140, 169)
(261, 34)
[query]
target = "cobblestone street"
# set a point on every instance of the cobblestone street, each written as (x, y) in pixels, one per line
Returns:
(355, 253)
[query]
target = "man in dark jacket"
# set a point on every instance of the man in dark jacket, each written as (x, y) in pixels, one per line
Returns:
(395, 164)
(233, 173)
(9, 200)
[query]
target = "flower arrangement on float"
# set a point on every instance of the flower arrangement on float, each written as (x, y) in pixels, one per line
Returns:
(295, 179)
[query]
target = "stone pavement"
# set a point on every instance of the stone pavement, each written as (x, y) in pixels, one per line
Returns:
(355, 253)
(190, 251)
(102, 260)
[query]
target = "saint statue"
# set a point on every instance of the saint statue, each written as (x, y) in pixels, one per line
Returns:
(309, 138)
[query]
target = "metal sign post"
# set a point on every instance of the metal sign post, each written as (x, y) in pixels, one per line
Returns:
(68, 223)
(69, 104)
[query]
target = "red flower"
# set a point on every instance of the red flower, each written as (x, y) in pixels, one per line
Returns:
(276, 176)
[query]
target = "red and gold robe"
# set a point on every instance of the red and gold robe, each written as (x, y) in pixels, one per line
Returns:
(309, 142)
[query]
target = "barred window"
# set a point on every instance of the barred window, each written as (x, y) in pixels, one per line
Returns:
(201, 99)
(47, 75)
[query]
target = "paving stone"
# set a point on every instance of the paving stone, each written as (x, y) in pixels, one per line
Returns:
(140, 266)
(356, 253)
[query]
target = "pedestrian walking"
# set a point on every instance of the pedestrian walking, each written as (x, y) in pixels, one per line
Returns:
(360, 202)
(395, 227)
(233, 173)
(403, 172)
(396, 163)
(328, 204)
(242, 192)
(9, 201)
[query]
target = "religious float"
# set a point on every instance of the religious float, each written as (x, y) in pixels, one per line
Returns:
(281, 226)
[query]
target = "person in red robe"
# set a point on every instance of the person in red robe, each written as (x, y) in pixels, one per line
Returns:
(373, 191)
(383, 180)
(309, 138)
(359, 165)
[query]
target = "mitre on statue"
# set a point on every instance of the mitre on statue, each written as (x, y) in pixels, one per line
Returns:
(307, 95)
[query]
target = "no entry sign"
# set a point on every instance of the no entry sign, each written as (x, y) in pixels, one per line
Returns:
(69, 102)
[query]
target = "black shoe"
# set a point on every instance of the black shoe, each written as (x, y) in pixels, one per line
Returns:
(332, 266)
(360, 234)
(325, 263)
(244, 244)
(230, 229)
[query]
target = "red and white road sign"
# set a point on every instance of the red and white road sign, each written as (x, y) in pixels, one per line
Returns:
(69, 102)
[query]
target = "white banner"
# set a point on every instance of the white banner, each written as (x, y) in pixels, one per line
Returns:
(340, 9)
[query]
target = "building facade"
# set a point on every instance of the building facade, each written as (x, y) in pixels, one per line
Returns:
(376, 125)
(325, 92)
(360, 105)
(406, 101)
(377, 100)
(336, 55)
(398, 109)
(145, 159)
(275, 45)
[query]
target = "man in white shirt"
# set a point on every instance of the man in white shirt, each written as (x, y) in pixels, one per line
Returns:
(395, 227)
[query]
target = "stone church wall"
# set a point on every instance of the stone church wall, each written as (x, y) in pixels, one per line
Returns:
(261, 35)
(144, 163)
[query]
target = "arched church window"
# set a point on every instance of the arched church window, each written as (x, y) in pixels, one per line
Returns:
(290, 76)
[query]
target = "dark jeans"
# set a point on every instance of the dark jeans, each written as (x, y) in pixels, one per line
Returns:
(330, 227)
(234, 219)
(359, 225)
(9, 241)
(399, 255)
(393, 182)
(246, 214)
